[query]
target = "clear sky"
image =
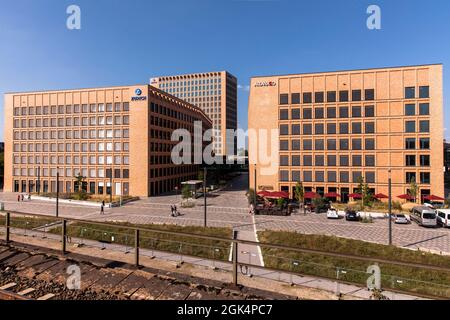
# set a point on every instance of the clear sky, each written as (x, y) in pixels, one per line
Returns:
(127, 42)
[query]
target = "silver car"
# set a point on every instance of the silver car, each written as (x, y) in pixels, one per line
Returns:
(400, 219)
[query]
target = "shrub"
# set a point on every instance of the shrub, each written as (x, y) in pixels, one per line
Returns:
(396, 205)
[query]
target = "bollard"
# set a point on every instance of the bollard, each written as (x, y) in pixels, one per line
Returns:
(235, 258)
(7, 225)
(136, 248)
(63, 236)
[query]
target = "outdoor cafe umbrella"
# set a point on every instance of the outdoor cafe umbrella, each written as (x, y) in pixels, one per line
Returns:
(278, 195)
(311, 195)
(263, 193)
(355, 196)
(380, 196)
(332, 195)
(434, 198)
(405, 197)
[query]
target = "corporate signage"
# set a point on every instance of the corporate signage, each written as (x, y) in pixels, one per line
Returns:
(265, 84)
(138, 96)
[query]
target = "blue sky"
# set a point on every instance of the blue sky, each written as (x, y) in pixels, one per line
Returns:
(127, 42)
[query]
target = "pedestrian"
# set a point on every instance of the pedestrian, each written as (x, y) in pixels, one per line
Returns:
(175, 210)
(172, 211)
(21, 197)
(29, 197)
(18, 198)
(102, 208)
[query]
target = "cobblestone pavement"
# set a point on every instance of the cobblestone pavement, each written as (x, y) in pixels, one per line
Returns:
(228, 208)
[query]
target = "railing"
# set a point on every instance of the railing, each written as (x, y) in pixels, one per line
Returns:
(286, 263)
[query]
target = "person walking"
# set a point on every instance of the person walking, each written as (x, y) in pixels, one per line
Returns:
(18, 198)
(102, 208)
(21, 197)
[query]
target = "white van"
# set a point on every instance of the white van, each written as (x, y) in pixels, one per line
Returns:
(443, 217)
(424, 216)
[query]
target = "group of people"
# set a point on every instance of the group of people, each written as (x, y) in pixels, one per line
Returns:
(22, 197)
(174, 211)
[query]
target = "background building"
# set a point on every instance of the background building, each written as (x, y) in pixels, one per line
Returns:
(216, 94)
(118, 134)
(336, 127)
(447, 167)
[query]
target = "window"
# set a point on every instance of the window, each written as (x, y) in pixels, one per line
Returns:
(295, 97)
(410, 126)
(284, 175)
(319, 161)
(343, 128)
(319, 113)
(307, 129)
(320, 176)
(331, 144)
(332, 176)
(307, 97)
(296, 176)
(284, 161)
(356, 95)
(424, 143)
(295, 160)
(284, 98)
(307, 176)
(307, 113)
(424, 160)
(370, 144)
(410, 160)
(344, 176)
(295, 144)
(343, 144)
(295, 114)
(369, 111)
(331, 113)
(424, 92)
(410, 177)
(410, 92)
(357, 160)
(356, 127)
(319, 128)
(356, 112)
(424, 109)
(369, 127)
(319, 144)
(331, 96)
(284, 114)
(370, 94)
(295, 129)
(425, 178)
(307, 161)
(410, 143)
(343, 112)
(331, 128)
(370, 177)
(370, 161)
(319, 97)
(284, 145)
(331, 161)
(410, 109)
(356, 144)
(343, 96)
(284, 130)
(344, 161)
(357, 175)
(424, 126)
(307, 144)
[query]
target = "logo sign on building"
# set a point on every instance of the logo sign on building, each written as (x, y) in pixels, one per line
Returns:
(138, 96)
(154, 81)
(265, 84)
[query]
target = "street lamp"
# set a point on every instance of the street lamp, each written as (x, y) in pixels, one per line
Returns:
(38, 187)
(255, 190)
(57, 192)
(205, 171)
(390, 207)
(110, 187)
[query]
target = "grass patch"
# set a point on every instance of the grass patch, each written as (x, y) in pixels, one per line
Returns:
(414, 280)
(27, 222)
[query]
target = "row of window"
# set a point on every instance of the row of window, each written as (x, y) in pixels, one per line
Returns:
(69, 122)
(68, 109)
(410, 109)
(319, 128)
(424, 160)
(331, 144)
(344, 176)
(190, 82)
(331, 160)
(331, 113)
(169, 112)
(411, 126)
(71, 134)
(69, 160)
(72, 147)
(173, 171)
(70, 172)
(331, 96)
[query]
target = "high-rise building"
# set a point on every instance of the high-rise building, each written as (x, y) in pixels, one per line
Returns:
(213, 92)
(117, 138)
(336, 127)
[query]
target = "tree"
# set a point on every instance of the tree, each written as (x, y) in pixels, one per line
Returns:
(413, 189)
(81, 194)
(201, 175)
(318, 203)
(251, 196)
(186, 192)
(299, 192)
(447, 201)
(364, 191)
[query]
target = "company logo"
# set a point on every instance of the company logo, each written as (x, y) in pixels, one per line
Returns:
(138, 92)
(265, 84)
(154, 81)
(138, 97)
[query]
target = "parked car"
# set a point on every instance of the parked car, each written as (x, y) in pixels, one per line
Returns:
(321, 209)
(434, 204)
(424, 216)
(443, 217)
(351, 215)
(400, 219)
(332, 213)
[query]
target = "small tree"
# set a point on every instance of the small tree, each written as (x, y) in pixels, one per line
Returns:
(447, 201)
(364, 191)
(318, 203)
(413, 189)
(299, 192)
(281, 202)
(81, 194)
(251, 196)
(186, 192)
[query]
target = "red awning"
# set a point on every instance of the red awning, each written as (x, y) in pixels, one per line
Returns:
(311, 195)
(332, 195)
(381, 196)
(405, 197)
(263, 193)
(434, 198)
(355, 196)
(274, 195)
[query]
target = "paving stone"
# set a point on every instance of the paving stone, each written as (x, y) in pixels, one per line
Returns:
(176, 292)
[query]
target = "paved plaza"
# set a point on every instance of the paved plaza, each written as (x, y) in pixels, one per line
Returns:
(228, 208)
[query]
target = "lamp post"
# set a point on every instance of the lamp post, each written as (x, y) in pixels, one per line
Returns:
(38, 187)
(204, 194)
(255, 189)
(110, 187)
(57, 192)
(390, 207)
